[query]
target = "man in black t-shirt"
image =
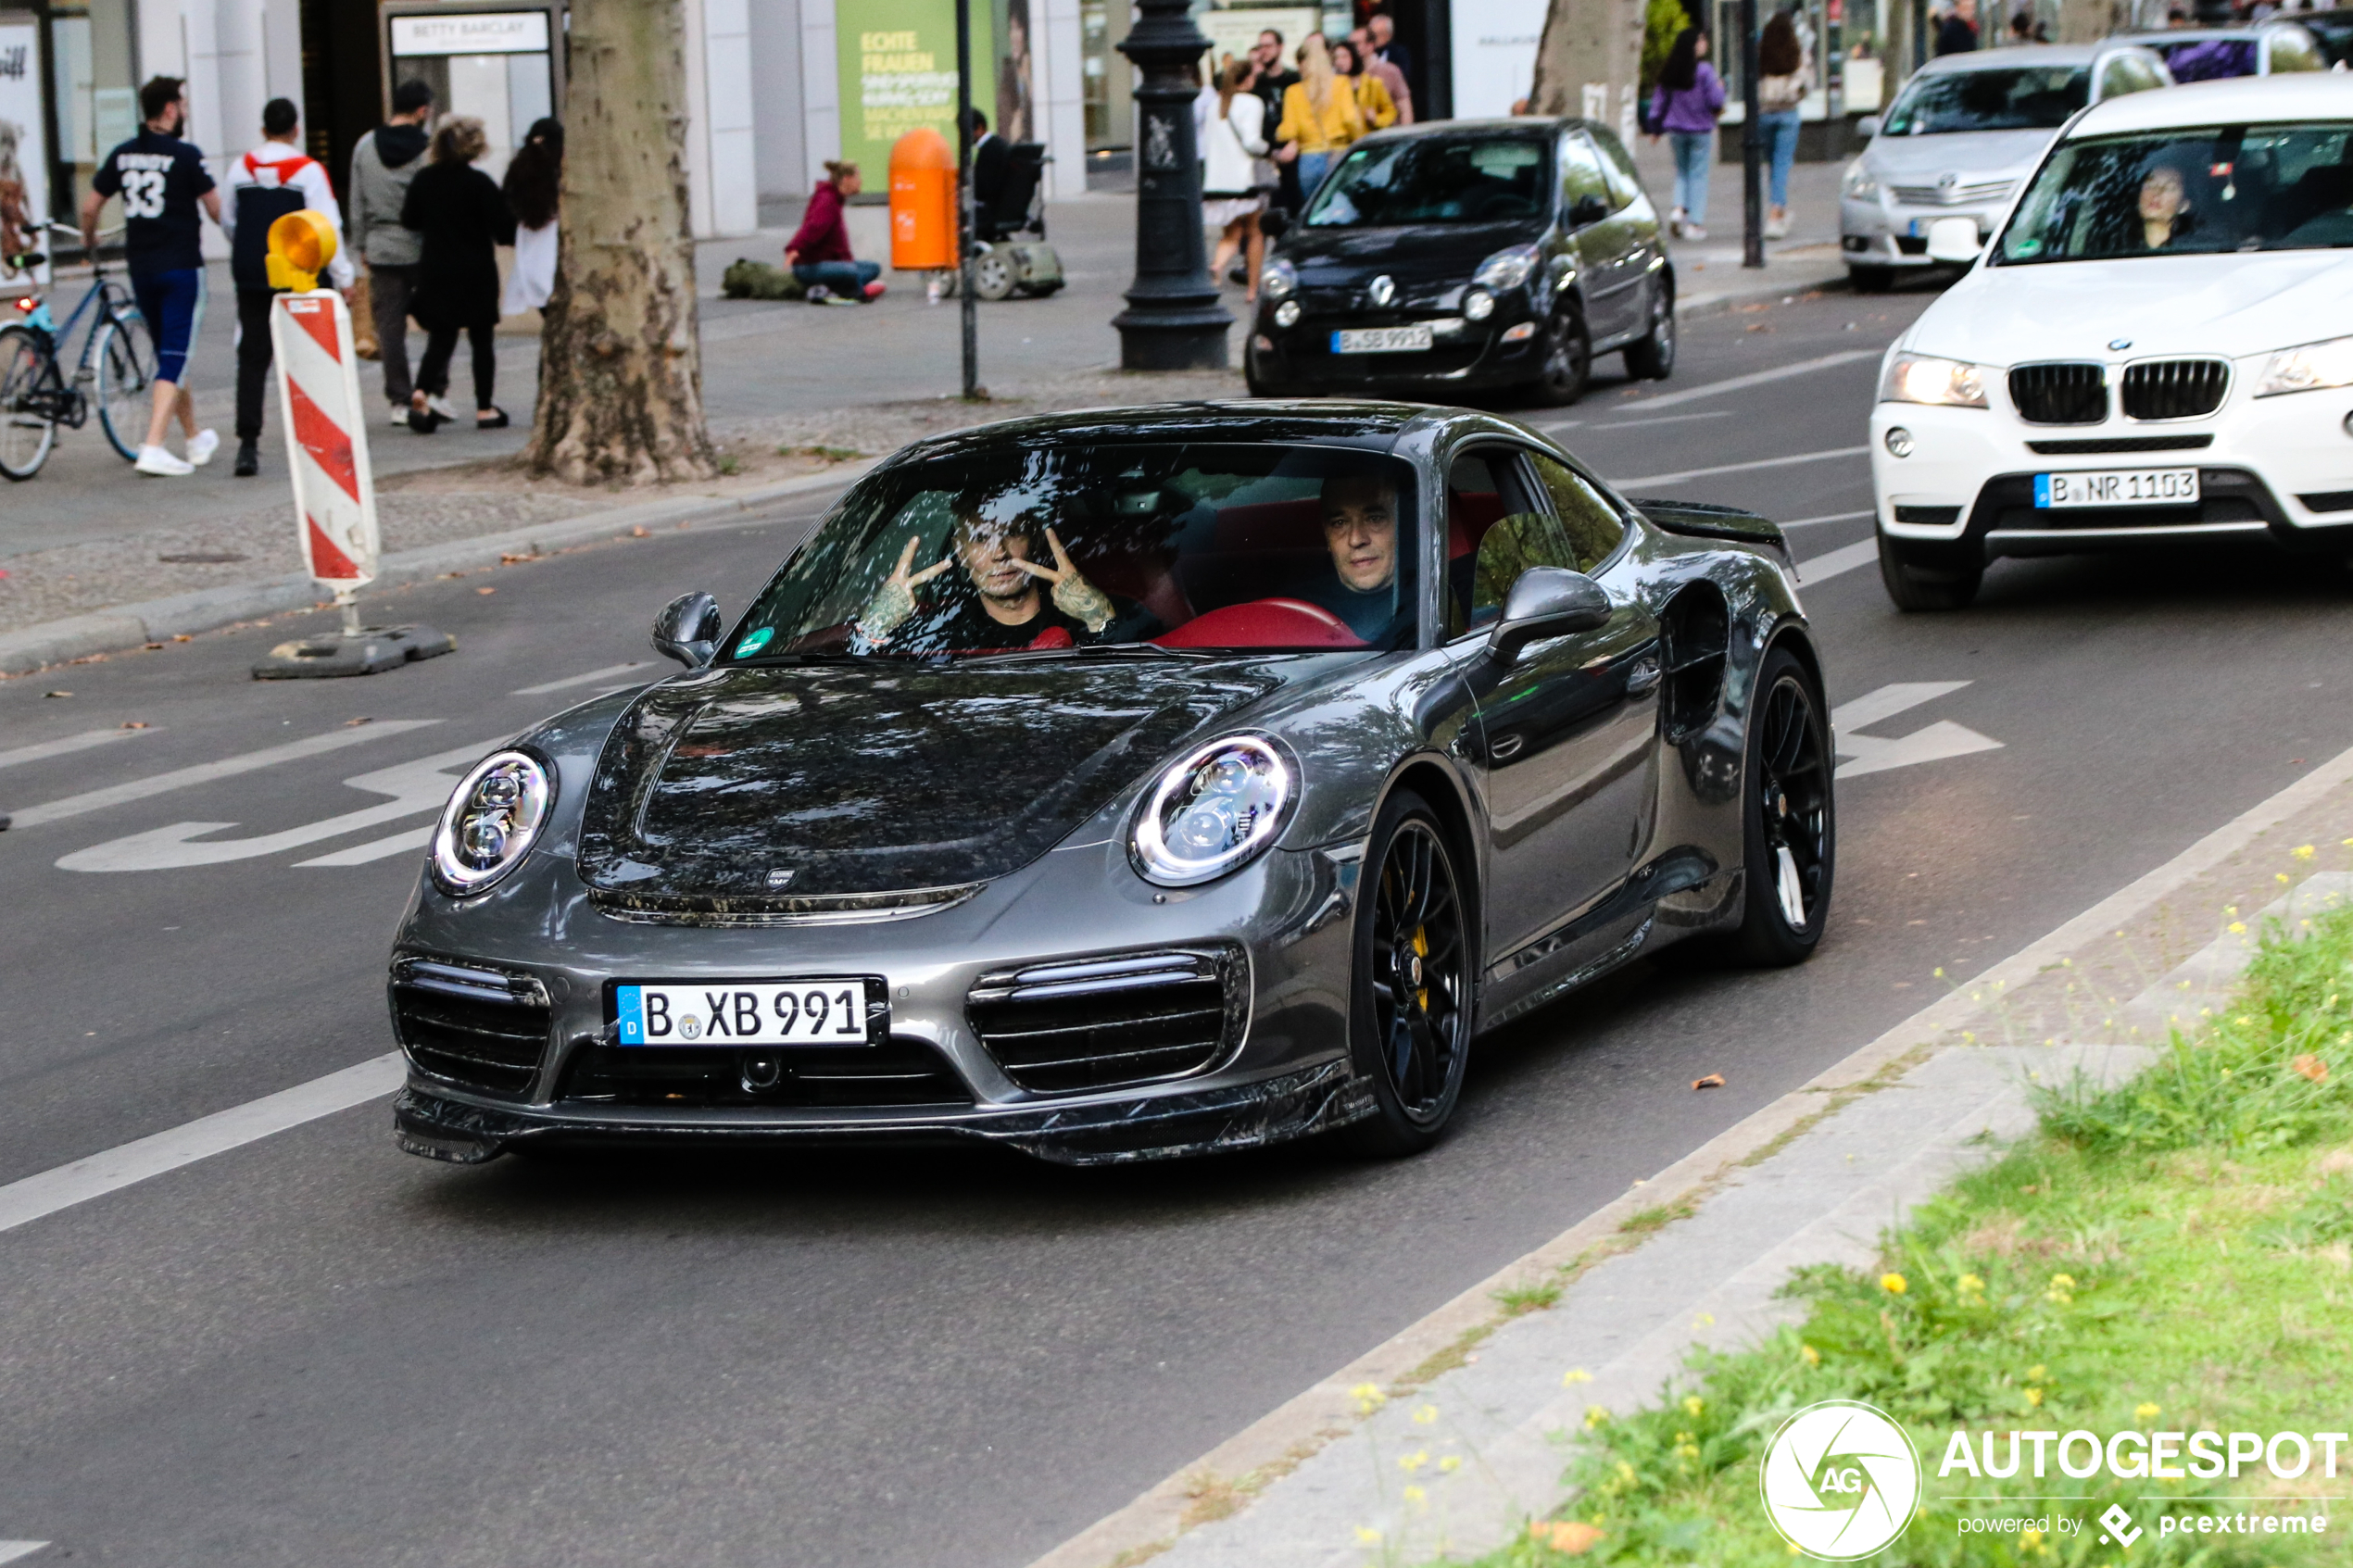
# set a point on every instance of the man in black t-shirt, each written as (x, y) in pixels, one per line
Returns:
(1274, 77)
(163, 183)
(1000, 603)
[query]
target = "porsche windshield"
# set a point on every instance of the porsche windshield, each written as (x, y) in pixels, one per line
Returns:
(1436, 179)
(2233, 188)
(1078, 545)
(2031, 98)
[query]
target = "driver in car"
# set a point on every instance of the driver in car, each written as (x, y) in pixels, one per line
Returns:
(1005, 606)
(2164, 204)
(1360, 531)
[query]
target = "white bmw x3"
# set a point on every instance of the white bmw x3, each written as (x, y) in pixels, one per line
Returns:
(2156, 346)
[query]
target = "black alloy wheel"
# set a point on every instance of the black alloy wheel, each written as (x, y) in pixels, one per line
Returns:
(1409, 1020)
(1949, 581)
(1569, 359)
(1789, 830)
(1653, 358)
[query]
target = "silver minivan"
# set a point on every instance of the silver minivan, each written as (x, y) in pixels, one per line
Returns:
(1961, 134)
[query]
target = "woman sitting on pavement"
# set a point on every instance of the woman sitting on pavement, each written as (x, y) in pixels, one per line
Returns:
(1320, 114)
(1372, 94)
(818, 251)
(464, 220)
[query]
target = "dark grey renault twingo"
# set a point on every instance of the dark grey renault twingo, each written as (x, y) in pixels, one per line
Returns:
(1129, 783)
(1496, 255)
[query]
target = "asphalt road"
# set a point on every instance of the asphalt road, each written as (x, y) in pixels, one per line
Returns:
(315, 1350)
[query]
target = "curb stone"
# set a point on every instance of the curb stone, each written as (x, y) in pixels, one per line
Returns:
(134, 625)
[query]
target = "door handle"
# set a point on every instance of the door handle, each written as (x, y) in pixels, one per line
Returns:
(1642, 677)
(1504, 747)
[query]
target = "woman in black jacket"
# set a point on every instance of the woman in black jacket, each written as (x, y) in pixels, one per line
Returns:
(464, 220)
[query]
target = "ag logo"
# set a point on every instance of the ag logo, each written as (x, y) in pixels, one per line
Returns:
(1839, 1480)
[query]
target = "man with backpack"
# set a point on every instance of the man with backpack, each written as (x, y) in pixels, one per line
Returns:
(275, 179)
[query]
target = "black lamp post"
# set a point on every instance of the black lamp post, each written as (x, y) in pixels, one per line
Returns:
(1173, 321)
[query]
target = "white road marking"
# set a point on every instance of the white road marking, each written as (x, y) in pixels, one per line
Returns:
(1870, 754)
(1830, 564)
(421, 786)
(1755, 378)
(606, 673)
(206, 772)
(1603, 426)
(35, 1196)
(11, 1551)
(1791, 460)
(62, 748)
(1828, 517)
(403, 841)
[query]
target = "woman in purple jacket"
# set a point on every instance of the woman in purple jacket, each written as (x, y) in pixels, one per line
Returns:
(1689, 98)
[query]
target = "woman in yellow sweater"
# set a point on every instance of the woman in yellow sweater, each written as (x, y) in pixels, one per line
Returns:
(1372, 93)
(1321, 113)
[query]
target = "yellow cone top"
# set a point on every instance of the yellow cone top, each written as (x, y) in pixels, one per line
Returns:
(301, 243)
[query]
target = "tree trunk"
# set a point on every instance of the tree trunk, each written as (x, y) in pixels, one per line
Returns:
(1895, 50)
(2088, 21)
(1589, 62)
(621, 358)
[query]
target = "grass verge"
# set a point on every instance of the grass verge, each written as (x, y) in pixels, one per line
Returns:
(2175, 1253)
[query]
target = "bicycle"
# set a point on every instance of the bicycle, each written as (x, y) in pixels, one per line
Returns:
(118, 358)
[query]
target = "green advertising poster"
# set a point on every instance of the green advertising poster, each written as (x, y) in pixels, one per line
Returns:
(898, 71)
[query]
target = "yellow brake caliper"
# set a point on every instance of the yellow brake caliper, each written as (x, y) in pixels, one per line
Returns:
(1421, 949)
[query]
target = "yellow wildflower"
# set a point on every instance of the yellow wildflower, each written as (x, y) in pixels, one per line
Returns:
(2238, 928)
(1368, 1397)
(2302, 851)
(1450, 1464)
(2034, 1398)
(1813, 1357)
(1413, 1494)
(1574, 1377)
(1969, 1282)
(2036, 1374)
(1694, 1404)
(1596, 1415)
(2147, 1410)
(1367, 1535)
(1893, 1283)
(1425, 1415)
(1412, 1462)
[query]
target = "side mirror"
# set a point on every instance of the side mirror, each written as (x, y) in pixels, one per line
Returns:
(687, 630)
(1588, 211)
(1548, 601)
(1866, 126)
(1274, 222)
(1953, 239)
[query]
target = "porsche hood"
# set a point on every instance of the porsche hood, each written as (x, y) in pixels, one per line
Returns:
(751, 788)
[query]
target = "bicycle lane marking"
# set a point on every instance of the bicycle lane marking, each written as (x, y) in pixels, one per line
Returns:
(207, 773)
(65, 747)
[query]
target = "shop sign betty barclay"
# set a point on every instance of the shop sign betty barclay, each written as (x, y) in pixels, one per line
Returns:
(1841, 1480)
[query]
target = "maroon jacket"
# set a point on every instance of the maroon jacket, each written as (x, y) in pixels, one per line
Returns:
(823, 236)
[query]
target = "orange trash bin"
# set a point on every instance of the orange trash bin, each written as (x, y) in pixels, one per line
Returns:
(922, 202)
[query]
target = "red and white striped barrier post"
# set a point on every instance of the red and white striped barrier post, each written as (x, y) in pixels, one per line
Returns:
(334, 489)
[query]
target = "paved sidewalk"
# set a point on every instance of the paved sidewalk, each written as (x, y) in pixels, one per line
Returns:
(1816, 1179)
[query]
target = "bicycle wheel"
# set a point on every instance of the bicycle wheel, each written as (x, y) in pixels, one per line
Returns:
(126, 360)
(27, 429)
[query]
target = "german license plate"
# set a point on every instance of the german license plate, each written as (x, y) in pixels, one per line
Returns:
(1382, 340)
(814, 1010)
(2117, 487)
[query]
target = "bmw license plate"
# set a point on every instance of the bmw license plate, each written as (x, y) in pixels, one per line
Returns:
(1415, 339)
(815, 1011)
(2117, 487)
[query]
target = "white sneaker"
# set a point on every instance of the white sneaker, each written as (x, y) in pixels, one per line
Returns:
(399, 414)
(163, 465)
(1675, 223)
(1777, 228)
(202, 445)
(1694, 232)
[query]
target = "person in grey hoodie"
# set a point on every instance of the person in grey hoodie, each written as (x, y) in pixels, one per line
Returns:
(382, 164)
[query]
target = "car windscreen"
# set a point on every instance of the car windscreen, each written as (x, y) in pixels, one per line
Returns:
(1076, 547)
(2208, 59)
(2028, 98)
(1436, 180)
(2223, 188)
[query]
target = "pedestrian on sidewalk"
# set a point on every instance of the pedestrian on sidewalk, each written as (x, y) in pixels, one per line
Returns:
(1320, 114)
(461, 219)
(1957, 33)
(382, 164)
(1230, 121)
(264, 186)
(1275, 79)
(1388, 75)
(1784, 78)
(163, 184)
(1685, 108)
(534, 189)
(1372, 94)
(818, 251)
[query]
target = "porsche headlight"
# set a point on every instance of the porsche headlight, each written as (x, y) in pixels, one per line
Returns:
(1857, 183)
(1918, 378)
(2309, 369)
(1507, 268)
(492, 819)
(1213, 812)
(1278, 278)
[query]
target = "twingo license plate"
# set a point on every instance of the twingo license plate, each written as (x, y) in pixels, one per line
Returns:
(2117, 487)
(1415, 339)
(813, 1011)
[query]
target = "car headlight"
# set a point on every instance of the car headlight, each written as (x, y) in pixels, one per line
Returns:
(1277, 279)
(1507, 268)
(1287, 313)
(1920, 377)
(491, 821)
(1857, 183)
(1479, 304)
(1213, 812)
(2308, 368)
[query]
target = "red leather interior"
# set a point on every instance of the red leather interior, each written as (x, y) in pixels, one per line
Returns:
(1263, 623)
(1141, 576)
(1469, 514)
(1271, 525)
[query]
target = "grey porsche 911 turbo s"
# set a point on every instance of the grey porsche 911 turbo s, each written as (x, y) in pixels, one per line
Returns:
(1125, 784)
